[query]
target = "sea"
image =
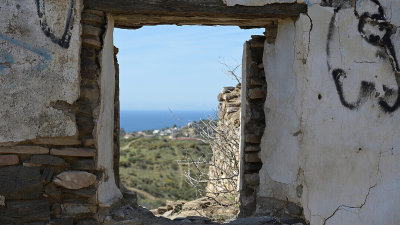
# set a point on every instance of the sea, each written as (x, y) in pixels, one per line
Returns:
(132, 121)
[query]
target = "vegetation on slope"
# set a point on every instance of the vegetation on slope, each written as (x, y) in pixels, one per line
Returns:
(150, 166)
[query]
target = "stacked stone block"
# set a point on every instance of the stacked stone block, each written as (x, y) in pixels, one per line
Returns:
(253, 123)
(224, 171)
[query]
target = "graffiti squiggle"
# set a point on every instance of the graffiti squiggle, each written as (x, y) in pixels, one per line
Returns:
(6, 60)
(43, 53)
(373, 37)
(65, 39)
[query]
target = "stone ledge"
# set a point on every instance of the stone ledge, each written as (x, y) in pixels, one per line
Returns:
(252, 157)
(256, 93)
(9, 160)
(92, 43)
(252, 148)
(24, 150)
(92, 19)
(91, 31)
(39, 160)
(78, 152)
(255, 139)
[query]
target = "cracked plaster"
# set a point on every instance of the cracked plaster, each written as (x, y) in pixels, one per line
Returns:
(345, 160)
(38, 69)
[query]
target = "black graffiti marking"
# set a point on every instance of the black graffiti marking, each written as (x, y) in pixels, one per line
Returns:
(384, 42)
(365, 90)
(379, 20)
(65, 39)
(336, 3)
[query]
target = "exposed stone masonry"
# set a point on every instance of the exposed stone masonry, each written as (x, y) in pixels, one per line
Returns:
(224, 171)
(55, 179)
(253, 122)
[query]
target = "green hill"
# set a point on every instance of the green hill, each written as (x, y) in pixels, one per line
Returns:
(150, 166)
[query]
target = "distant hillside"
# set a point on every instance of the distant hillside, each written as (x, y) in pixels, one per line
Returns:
(149, 165)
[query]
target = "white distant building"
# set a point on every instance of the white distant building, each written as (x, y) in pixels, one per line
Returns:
(127, 136)
(156, 131)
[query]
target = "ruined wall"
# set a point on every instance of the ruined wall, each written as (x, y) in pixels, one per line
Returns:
(224, 168)
(51, 65)
(252, 122)
(330, 144)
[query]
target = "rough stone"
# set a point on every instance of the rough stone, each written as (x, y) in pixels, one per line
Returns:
(2, 200)
(89, 143)
(74, 179)
(52, 192)
(92, 43)
(252, 157)
(91, 31)
(278, 207)
(162, 210)
(230, 96)
(256, 93)
(234, 104)
(24, 211)
(256, 82)
(57, 141)
(84, 164)
(92, 19)
(81, 193)
(47, 174)
(253, 139)
(167, 213)
(232, 109)
(56, 209)
(24, 150)
(74, 209)
(78, 152)
(252, 167)
(252, 148)
(63, 221)
(18, 182)
(49, 160)
(8, 160)
(227, 89)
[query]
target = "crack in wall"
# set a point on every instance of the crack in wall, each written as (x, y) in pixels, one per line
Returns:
(343, 207)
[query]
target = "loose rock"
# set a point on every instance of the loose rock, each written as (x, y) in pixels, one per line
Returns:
(75, 179)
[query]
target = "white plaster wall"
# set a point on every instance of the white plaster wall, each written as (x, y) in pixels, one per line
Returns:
(38, 68)
(347, 159)
(108, 191)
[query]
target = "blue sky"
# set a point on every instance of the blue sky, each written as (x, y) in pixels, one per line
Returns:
(177, 67)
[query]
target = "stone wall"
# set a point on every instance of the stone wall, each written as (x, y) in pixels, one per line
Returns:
(319, 142)
(224, 169)
(48, 158)
(252, 123)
